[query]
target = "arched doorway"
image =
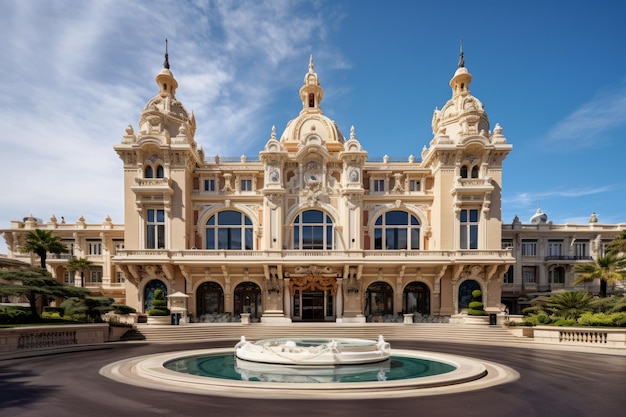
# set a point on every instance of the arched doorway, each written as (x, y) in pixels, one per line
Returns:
(209, 299)
(248, 299)
(378, 300)
(416, 298)
(148, 292)
(465, 293)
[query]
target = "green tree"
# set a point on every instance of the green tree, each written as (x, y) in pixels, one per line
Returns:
(79, 264)
(618, 245)
(37, 286)
(91, 307)
(42, 242)
(609, 269)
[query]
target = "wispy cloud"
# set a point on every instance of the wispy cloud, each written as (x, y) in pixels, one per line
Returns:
(76, 73)
(589, 125)
(526, 199)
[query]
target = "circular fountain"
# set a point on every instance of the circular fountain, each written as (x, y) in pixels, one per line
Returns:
(299, 368)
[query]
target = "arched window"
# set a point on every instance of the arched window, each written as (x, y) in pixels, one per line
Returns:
(149, 172)
(313, 229)
(148, 292)
(465, 293)
(396, 230)
(229, 229)
(248, 299)
(209, 299)
(379, 299)
(160, 172)
(416, 298)
(475, 171)
(464, 171)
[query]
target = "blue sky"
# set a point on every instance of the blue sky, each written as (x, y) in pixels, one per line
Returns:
(76, 73)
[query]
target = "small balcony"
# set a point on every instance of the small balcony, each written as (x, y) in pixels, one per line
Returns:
(567, 258)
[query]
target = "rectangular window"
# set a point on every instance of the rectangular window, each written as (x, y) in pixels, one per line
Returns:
(469, 229)
(529, 274)
(209, 185)
(155, 229)
(95, 247)
(120, 277)
(581, 249)
(414, 185)
(529, 248)
(507, 243)
(557, 276)
(96, 277)
(508, 276)
(379, 186)
(246, 185)
(555, 247)
(68, 278)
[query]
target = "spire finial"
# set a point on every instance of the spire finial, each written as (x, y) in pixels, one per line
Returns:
(166, 63)
(311, 66)
(461, 57)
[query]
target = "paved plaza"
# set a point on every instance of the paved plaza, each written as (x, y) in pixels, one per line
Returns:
(552, 383)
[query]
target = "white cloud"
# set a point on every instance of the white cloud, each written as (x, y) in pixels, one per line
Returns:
(590, 123)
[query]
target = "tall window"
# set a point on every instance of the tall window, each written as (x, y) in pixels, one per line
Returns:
(246, 185)
(160, 173)
(469, 229)
(313, 229)
(209, 185)
(149, 172)
(555, 247)
(95, 247)
(229, 229)
(529, 248)
(155, 229)
(396, 230)
(508, 276)
(580, 249)
(529, 274)
(556, 276)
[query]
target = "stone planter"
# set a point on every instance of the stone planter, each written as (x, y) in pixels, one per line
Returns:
(160, 320)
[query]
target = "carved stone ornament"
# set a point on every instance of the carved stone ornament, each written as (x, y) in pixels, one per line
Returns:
(275, 199)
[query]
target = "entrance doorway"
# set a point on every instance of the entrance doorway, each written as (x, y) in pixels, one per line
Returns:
(313, 306)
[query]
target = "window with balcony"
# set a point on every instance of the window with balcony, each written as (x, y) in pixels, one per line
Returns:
(229, 230)
(529, 248)
(155, 229)
(396, 230)
(555, 248)
(469, 229)
(313, 229)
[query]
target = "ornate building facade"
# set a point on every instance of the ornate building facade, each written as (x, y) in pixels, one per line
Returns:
(311, 229)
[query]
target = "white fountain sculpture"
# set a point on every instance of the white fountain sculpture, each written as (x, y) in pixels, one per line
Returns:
(313, 352)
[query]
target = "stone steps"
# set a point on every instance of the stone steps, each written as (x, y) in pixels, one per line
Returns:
(495, 335)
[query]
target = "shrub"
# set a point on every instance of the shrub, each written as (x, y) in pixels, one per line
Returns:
(59, 310)
(14, 315)
(123, 309)
(476, 307)
(603, 319)
(565, 322)
(159, 305)
(540, 319)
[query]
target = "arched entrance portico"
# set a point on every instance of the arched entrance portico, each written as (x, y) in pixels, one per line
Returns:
(378, 300)
(465, 293)
(209, 299)
(148, 292)
(416, 298)
(248, 299)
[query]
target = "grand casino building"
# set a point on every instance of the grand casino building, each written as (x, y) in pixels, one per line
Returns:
(310, 229)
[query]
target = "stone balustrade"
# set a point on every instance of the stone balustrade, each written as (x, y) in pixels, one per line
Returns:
(45, 337)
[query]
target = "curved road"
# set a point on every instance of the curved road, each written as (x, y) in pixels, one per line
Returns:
(552, 383)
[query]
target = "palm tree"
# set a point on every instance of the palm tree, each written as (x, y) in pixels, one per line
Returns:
(567, 305)
(41, 242)
(609, 269)
(79, 264)
(618, 245)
